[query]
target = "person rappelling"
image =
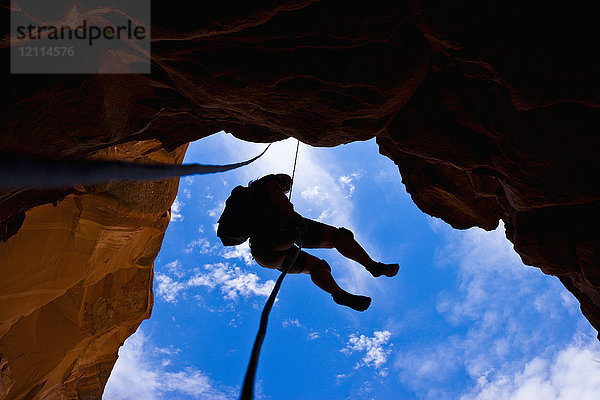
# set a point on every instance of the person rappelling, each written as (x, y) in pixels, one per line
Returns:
(263, 213)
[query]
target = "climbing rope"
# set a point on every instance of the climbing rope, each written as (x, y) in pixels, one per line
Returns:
(52, 174)
(248, 386)
(294, 171)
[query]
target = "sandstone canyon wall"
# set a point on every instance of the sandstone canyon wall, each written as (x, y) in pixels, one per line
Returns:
(77, 281)
(490, 110)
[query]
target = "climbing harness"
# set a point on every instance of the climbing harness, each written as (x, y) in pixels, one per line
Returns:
(53, 174)
(248, 386)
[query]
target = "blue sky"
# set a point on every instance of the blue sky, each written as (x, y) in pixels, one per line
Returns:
(464, 318)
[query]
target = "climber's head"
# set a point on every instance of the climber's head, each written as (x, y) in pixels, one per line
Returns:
(285, 181)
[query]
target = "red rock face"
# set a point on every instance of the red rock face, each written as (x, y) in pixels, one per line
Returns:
(490, 111)
(77, 281)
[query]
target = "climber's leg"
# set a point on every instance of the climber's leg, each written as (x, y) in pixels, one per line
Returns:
(319, 271)
(320, 274)
(326, 236)
(319, 235)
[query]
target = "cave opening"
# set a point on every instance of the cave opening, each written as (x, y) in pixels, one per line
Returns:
(462, 315)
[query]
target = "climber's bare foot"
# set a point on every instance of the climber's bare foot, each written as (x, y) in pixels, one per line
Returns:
(377, 269)
(356, 302)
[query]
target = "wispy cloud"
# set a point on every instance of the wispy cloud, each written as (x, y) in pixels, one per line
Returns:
(572, 373)
(217, 210)
(346, 182)
(507, 312)
(232, 281)
(376, 349)
(341, 377)
(139, 374)
(315, 193)
(174, 268)
(176, 210)
(291, 322)
(201, 245)
(168, 288)
(168, 350)
(241, 252)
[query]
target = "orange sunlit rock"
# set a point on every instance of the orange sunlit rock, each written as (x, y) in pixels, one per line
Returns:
(77, 281)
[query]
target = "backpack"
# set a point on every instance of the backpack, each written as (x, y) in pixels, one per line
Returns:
(235, 223)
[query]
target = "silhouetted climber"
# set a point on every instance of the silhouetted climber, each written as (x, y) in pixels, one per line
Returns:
(274, 227)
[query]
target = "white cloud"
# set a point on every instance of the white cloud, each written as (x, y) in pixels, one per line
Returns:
(203, 245)
(217, 210)
(190, 382)
(572, 373)
(506, 315)
(326, 214)
(346, 182)
(137, 375)
(231, 280)
(168, 350)
(486, 263)
(234, 282)
(291, 322)
(167, 287)
(314, 335)
(314, 194)
(376, 349)
(176, 210)
(175, 268)
(241, 252)
(341, 377)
